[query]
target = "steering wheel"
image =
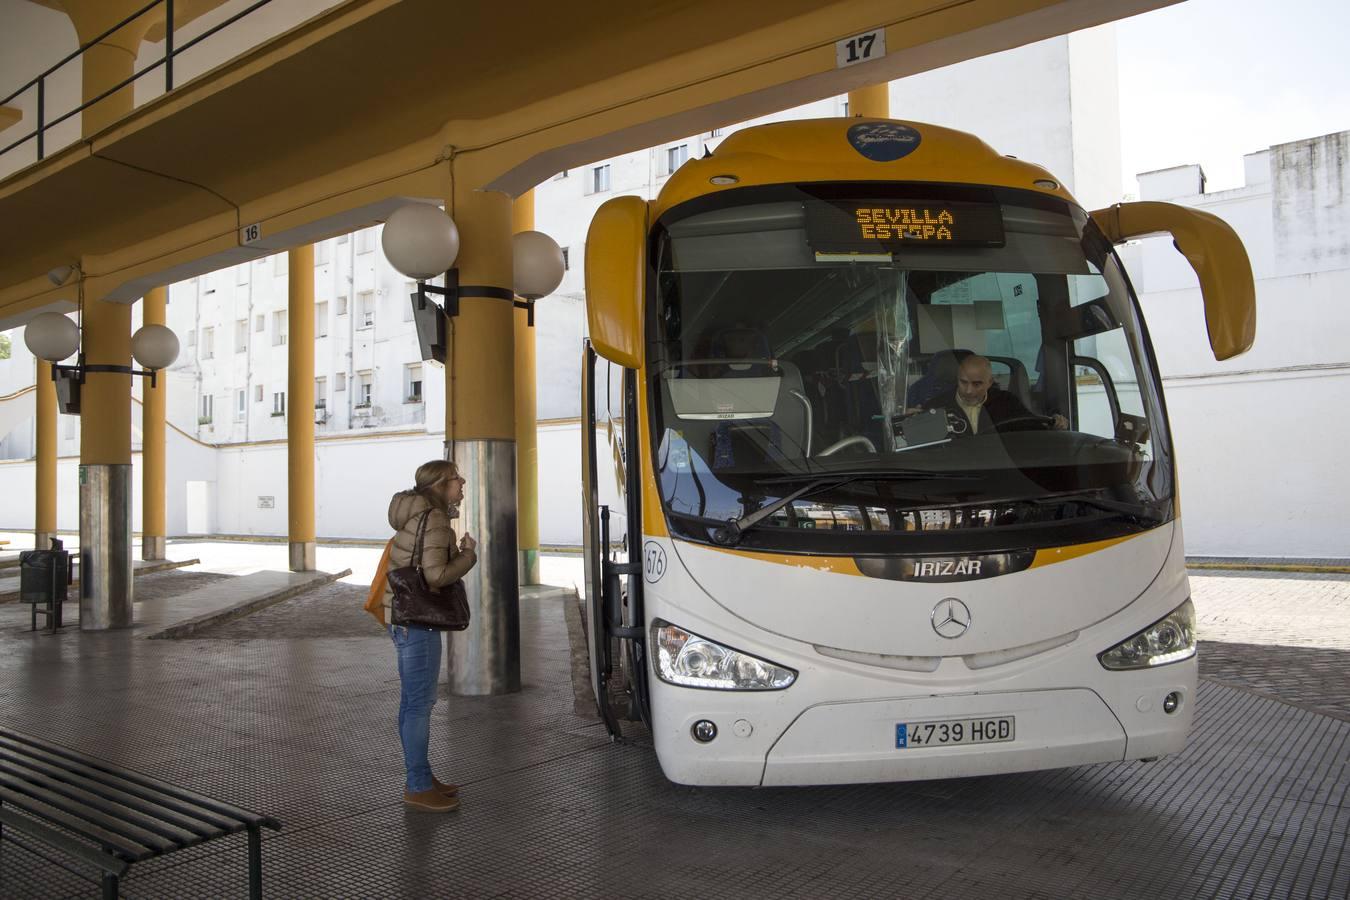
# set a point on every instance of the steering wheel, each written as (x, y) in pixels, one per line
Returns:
(1045, 422)
(848, 442)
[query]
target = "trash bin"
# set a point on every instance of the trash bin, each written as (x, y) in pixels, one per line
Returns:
(44, 579)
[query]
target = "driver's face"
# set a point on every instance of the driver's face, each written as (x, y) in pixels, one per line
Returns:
(972, 384)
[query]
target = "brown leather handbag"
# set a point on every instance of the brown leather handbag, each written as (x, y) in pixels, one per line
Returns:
(446, 609)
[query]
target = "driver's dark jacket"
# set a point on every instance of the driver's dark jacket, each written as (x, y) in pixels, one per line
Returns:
(999, 407)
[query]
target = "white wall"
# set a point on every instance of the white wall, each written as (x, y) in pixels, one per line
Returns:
(186, 461)
(1259, 437)
(1261, 464)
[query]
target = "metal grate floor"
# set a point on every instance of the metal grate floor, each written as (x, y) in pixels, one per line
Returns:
(303, 729)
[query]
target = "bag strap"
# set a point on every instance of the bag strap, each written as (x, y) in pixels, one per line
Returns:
(419, 540)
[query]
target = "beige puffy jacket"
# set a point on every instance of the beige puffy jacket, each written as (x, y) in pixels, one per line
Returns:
(442, 561)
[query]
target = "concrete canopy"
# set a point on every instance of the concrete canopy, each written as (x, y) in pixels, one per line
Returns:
(329, 126)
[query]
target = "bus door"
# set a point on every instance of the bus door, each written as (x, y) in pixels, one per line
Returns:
(610, 523)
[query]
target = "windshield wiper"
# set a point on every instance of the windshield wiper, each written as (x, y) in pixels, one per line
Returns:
(1140, 512)
(730, 533)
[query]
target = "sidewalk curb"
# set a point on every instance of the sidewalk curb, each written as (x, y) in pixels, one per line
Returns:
(193, 626)
(1270, 567)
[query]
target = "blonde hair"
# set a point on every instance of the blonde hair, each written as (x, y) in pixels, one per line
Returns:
(430, 474)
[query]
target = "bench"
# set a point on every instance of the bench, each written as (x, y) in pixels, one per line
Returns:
(107, 817)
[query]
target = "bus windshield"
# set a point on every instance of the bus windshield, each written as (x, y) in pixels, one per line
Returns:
(959, 365)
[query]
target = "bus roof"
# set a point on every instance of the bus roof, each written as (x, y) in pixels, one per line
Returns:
(857, 149)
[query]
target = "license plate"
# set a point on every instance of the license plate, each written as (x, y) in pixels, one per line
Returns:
(954, 731)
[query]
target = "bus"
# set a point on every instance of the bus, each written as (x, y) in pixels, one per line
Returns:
(878, 478)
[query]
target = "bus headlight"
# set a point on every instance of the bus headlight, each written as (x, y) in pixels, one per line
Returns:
(1168, 640)
(692, 661)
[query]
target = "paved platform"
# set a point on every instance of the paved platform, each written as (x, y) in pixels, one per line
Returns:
(295, 717)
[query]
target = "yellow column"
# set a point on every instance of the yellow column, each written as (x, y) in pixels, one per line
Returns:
(44, 524)
(300, 411)
(481, 432)
(153, 528)
(110, 61)
(105, 402)
(872, 102)
(527, 426)
(105, 469)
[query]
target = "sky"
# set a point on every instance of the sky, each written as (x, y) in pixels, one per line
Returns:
(1206, 81)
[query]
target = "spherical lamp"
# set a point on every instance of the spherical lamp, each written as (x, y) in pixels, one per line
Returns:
(154, 347)
(52, 336)
(537, 263)
(420, 240)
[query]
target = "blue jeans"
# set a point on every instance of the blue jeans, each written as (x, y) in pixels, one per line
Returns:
(419, 670)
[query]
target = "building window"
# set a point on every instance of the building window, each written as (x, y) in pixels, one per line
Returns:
(208, 408)
(567, 259)
(281, 264)
(323, 253)
(321, 319)
(208, 343)
(257, 393)
(241, 335)
(259, 323)
(364, 386)
(343, 238)
(241, 273)
(600, 179)
(365, 240)
(365, 304)
(280, 327)
(716, 132)
(192, 338)
(321, 393)
(342, 305)
(341, 382)
(240, 404)
(279, 403)
(675, 157)
(560, 176)
(412, 383)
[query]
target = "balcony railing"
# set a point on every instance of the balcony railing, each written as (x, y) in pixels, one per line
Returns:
(170, 53)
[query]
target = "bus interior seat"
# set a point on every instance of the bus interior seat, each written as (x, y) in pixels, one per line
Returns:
(939, 377)
(731, 442)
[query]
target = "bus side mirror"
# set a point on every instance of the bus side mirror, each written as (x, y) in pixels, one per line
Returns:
(1215, 252)
(616, 275)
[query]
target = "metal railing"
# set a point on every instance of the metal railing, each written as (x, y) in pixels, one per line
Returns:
(170, 52)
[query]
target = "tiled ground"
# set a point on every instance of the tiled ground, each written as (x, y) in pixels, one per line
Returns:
(290, 712)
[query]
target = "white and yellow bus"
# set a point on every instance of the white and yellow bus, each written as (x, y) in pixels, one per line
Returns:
(832, 559)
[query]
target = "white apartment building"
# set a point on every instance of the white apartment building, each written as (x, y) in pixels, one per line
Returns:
(1260, 439)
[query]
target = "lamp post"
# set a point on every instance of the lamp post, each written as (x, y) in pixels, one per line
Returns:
(53, 337)
(105, 499)
(421, 241)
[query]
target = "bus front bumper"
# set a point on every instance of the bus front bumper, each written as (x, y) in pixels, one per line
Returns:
(853, 741)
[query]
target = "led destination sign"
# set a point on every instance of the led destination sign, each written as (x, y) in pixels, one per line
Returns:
(862, 226)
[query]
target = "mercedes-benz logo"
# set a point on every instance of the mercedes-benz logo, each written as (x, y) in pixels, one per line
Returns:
(951, 618)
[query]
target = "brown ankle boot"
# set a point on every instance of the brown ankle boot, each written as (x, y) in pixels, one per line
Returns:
(449, 790)
(431, 800)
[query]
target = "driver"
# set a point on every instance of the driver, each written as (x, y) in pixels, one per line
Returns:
(980, 404)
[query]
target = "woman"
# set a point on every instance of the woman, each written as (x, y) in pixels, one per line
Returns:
(439, 488)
